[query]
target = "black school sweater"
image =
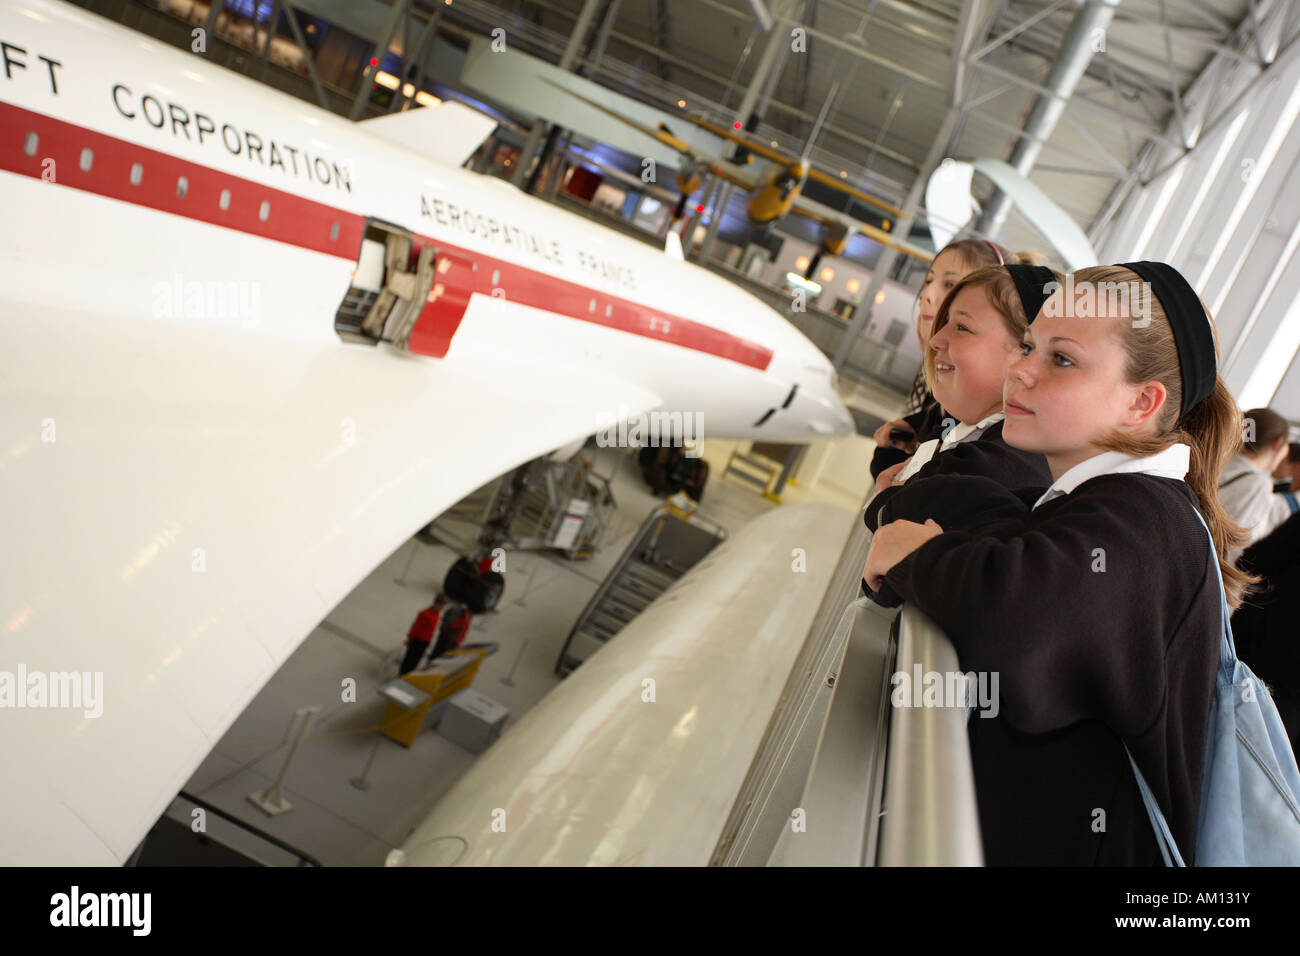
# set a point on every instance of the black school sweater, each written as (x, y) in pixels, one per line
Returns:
(1084, 659)
(927, 423)
(988, 456)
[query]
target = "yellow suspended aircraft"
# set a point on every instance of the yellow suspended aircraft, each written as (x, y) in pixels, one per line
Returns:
(774, 193)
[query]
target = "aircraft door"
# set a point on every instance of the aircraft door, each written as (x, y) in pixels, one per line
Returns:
(405, 292)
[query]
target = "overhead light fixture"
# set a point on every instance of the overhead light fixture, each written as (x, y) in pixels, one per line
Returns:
(854, 285)
(828, 274)
(681, 103)
(795, 281)
(426, 99)
(880, 297)
(386, 80)
(844, 174)
(801, 263)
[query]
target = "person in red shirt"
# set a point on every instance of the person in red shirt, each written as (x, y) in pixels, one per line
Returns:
(422, 632)
(455, 625)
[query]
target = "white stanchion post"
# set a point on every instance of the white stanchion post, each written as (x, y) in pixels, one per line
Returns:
(271, 801)
(509, 680)
(361, 783)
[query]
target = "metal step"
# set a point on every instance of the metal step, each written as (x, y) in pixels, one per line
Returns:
(673, 545)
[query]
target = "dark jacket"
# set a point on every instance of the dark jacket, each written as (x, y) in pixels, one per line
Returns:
(1266, 628)
(927, 423)
(988, 456)
(1102, 621)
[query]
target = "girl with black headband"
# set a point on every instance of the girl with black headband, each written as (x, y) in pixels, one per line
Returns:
(925, 417)
(1100, 613)
(975, 339)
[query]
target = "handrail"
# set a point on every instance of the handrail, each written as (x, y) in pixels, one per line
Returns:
(305, 859)
(930, 816)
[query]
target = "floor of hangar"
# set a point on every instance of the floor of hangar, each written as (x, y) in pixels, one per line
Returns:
(339, 824)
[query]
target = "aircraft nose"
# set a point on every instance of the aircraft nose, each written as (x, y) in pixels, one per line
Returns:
(830, 418)
(842, 424)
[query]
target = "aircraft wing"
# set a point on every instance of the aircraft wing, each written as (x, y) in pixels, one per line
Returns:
(249, 482)
(784, 159)
(733, 172)
(811, 209)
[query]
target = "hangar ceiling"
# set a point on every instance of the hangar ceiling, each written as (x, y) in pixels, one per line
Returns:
(901, 65)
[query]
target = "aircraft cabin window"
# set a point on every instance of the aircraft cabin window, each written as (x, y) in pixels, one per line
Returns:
(496, 278)
(334, 232)
(224, 201)
(609, 310)
(264, 212)
(29, 144)
(87, 157)
(182, 187)
(137, 174)
(591, 306)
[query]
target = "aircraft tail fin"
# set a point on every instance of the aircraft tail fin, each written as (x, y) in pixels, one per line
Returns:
(449, 132)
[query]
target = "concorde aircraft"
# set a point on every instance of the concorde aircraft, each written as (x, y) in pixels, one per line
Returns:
(250, 348)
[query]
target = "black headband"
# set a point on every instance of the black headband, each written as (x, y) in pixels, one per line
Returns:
(1032, 282)
(1191, 327)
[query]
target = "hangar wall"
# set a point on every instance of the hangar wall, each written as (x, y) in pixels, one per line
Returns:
(1227, 213)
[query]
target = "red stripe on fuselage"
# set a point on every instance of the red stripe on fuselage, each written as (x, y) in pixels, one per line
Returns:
(314, 226)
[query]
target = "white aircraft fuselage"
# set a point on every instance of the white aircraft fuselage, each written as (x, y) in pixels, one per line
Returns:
(197, 468)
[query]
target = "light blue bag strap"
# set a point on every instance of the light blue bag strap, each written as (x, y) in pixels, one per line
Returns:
(1227, 648)
(1164, 838)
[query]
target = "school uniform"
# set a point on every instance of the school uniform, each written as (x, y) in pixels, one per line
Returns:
(928, 423)
(1246, 493)
(1102, 619)
(977, 450)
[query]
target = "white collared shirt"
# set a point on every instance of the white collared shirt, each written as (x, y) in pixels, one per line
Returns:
(961, 432)
(1246, 493)
(1173, 462)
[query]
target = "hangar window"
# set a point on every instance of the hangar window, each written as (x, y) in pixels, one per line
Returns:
(264, 211)
(334, 232)
(29, 144)
(224, 201)
(87, 157)
(137, 174)
(182, 187)
(390, 286)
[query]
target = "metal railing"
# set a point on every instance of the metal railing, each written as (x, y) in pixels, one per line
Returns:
(888, 786)
(930, 816)
(239, 836)
(776, 778)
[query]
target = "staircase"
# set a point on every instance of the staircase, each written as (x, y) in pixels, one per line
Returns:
(665, 547)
